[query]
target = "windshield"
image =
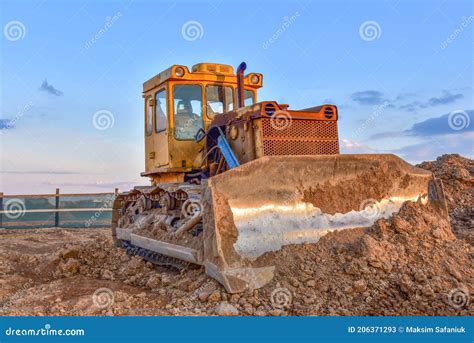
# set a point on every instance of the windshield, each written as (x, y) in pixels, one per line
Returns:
(187, 105)
(219, 99)
(248, 98)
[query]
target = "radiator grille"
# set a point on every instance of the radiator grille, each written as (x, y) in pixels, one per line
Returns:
(299, 137)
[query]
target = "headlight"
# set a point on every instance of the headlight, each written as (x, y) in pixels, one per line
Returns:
(254, 79)
(269, 109)
(328, 112)
(179, 72)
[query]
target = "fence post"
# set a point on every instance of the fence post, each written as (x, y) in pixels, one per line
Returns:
(56, 216)
(1, 209)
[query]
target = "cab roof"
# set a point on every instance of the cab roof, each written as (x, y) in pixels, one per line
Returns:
(211, 72)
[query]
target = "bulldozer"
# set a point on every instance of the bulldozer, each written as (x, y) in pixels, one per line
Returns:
(234, 178)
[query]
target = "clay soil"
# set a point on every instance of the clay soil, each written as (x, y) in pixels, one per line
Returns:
(415, 263)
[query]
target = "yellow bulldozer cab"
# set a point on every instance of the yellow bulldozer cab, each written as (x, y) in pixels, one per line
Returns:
(179, 102)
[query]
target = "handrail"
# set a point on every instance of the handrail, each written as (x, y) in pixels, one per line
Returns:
(62, 195)
(55, 207)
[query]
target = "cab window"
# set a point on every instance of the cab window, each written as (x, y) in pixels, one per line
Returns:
(149, 115)
(248, 98)
(160, 111)
(219, 99)
(187, 105)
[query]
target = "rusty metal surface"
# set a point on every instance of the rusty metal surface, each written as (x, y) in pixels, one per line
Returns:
(300, 137)
(213, 72)
(252, 133)
(257, 110)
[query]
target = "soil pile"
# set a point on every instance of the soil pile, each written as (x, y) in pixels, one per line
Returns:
(457, 174)
(411, 264)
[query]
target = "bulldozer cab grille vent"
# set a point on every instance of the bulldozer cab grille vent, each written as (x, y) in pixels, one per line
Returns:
(299, 137)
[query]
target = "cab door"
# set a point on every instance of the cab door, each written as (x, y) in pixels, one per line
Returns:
(161, 128)
(156, 130)
(149, 150)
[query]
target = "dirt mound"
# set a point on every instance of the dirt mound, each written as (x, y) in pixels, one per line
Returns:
(43, 273)
(457, 174)
(408, 265)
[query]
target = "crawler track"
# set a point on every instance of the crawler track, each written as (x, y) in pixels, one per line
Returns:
(157, 212)
(154, 257)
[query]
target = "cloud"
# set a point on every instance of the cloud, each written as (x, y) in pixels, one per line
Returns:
(369, 97)
(389, 134)
(404, 96)
(434, 147)
(411, 107)
(51, 172)
(6, 124)
(452, 123)
(374, 97)
(446, 98)
(354, 147)
(46, 87)
(456, 122)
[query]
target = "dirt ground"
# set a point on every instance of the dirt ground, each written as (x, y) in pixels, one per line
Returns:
(413, 264)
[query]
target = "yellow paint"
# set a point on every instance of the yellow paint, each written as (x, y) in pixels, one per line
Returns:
(164, 154)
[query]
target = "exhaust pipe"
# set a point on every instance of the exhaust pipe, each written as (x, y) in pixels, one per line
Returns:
(240, 84)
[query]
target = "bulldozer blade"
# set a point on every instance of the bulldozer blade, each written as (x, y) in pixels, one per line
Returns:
(274, 201)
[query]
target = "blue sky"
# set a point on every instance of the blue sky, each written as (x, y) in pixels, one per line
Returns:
(401, 73)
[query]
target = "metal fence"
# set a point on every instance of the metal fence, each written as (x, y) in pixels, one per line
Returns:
(27, 211)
